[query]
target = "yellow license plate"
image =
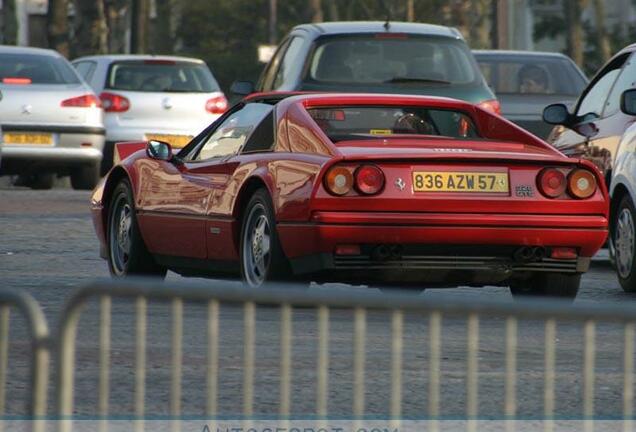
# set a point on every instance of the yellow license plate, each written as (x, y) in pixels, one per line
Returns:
(28, 138)
(176, 141)
(432, 181)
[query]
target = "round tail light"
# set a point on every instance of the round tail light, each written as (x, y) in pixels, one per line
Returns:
(339, 180)
(369, 179)
(581, 183)
(551, 182)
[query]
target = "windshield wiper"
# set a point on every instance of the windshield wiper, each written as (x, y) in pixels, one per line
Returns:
(399, 79)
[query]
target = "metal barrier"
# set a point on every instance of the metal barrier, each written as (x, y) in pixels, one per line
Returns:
(360, 303)
(38, 332)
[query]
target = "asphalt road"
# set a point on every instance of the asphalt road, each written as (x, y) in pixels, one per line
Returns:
(47, 248)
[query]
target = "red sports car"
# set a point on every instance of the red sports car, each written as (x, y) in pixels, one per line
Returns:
(371, 189)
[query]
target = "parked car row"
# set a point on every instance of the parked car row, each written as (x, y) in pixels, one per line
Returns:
(63, 120)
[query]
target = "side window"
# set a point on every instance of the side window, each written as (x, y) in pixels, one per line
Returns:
(85, 69)
(270, 73)
(262, 139)
(290, 63)
(594, 100)
(230, 136)
(625, 81)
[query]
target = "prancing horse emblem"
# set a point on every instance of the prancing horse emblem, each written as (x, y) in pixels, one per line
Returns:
(399, 183)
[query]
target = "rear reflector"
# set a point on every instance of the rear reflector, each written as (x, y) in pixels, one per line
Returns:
(84, 101)
(16, 80)
(113, 102)
(216, 105)
(491, 105)
(563, 253)
(347, 250)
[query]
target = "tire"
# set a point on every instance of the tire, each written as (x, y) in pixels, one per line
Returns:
(547, 285)
(262, 257)
(42, 181)
(85, 177)
(624, 239)
(127, 253)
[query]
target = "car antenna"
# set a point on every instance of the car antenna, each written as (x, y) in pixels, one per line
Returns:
(387, 24)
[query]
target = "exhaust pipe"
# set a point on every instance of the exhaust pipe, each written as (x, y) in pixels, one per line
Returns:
(381, 253)
(538, 253)
(523, 254)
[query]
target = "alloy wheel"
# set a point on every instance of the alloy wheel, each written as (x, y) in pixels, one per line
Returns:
(256, 247)
(120, 235)
(624, 243)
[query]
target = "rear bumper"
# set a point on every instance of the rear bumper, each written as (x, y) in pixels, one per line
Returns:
(430, 241)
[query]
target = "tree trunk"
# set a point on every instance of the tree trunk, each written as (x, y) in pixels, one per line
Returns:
(91, 28)
(574, 29)
(479, 30)
(601, 33)
(139, 23)
(273, 22)
(410, 10)
(9, 23)
(117, 13)
(57, 26)
(316, 11)
(163, 40)
(332, 8)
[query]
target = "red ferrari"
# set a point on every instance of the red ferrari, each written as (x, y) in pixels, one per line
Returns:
(369, 189)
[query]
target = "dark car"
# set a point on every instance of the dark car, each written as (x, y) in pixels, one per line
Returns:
(375, 57)
(601, 129)
(525, 82)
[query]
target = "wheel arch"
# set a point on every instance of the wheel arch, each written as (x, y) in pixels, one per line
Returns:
(248, 188)
(618, 192)
(114, 178)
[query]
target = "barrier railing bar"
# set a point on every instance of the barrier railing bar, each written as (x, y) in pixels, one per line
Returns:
(105, 303)
(511, 372)
(589, 374)
(249, 317)
(4, 354)
(397, 327)
(141, 309)
(228, 293)
(359, 335)
(472, 370)
(549, 374)
(285, 359)
(435, 325)
(323, 361)
(628, 377)
(177, 342)
(213, 358)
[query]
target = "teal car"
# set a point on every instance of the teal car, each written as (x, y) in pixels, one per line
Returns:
(375, 57)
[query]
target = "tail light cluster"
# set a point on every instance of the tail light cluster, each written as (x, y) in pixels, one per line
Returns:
(364, 179)
(577, 183)
(491, 105)
(216, 105)
(112, 102)
(84, 101)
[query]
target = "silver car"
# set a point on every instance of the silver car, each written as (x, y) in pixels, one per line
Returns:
(165, 98)
(51, 120)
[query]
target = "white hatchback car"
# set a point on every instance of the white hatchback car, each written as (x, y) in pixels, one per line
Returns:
(51, 120)
(144, 97)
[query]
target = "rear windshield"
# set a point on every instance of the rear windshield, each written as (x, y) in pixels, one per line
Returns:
(35, 69)
(161, 76)
(346, 123)
(531, 75)
(374, 59)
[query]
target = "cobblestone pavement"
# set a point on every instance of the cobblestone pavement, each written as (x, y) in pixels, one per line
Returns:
(47, 248)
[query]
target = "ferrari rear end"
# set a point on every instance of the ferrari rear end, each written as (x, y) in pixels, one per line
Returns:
(401, 209)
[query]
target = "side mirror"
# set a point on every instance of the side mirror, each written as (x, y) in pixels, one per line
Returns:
(556, 114)
(159, 150)
(628, 102)
(242, 88)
